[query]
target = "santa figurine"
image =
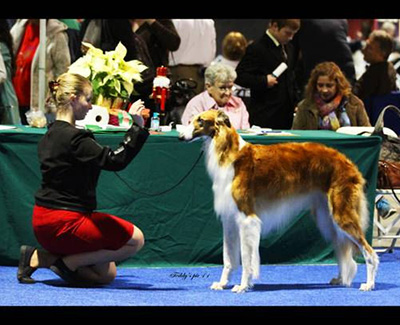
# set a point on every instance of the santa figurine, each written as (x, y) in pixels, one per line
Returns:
(161, 88)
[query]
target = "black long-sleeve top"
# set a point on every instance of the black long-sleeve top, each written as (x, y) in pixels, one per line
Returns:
(71, 161)
(378, 79)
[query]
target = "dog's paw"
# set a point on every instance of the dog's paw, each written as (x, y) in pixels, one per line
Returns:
(336, 282)
(218, 286)
(367, 286)
(241, 288)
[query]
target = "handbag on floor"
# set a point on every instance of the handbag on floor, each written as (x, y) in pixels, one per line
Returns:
(388, 175)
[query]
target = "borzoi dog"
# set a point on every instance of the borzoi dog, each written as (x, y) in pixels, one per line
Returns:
(258, 188)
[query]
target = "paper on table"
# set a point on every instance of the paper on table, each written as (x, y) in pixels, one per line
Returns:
(7, 127)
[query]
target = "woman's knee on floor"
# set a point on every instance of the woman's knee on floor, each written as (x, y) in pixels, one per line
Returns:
(104, 273)
(110, 275)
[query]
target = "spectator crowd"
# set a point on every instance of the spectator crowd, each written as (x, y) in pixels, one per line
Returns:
(319, 83)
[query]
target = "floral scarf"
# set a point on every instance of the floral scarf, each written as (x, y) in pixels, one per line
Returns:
(329, 120)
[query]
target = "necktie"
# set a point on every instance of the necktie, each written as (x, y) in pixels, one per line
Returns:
(284, 54)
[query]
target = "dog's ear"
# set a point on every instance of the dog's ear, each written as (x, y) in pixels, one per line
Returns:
(222, 118)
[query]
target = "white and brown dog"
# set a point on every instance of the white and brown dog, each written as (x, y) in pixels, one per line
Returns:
(258, 188)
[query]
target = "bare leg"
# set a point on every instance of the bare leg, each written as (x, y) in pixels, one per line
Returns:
(99, 273)
(42, 259)
(99, 266)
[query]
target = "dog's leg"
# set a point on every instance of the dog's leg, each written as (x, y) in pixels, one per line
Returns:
(323, 218)
(372, 261)
(349, 219)
(250, 232)
(341, 244)
(347, 265)
(231, 253)
(350, 214)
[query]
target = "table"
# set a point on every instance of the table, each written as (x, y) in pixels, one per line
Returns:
(175, 213)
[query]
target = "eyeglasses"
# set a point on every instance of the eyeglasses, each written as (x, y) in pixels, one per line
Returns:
(224, 88)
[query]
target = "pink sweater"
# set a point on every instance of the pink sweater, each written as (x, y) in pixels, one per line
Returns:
(235, 109)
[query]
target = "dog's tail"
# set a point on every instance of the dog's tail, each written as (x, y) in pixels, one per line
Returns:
(350, 209)
(363, 212)
(352, 217)
(347, 197)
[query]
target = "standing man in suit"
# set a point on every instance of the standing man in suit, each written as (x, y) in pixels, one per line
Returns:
(272, 97)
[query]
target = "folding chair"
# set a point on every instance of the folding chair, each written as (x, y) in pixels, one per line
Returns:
(385, 228)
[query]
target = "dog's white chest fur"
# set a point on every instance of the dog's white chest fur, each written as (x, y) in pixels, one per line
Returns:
(222, 176)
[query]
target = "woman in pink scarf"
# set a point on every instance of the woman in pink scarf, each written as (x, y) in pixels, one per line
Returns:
(329, 102)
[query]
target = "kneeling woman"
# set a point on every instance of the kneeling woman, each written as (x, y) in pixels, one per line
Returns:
(81, 245)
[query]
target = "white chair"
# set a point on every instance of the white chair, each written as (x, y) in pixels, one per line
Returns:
(364, 130)
(386, 229)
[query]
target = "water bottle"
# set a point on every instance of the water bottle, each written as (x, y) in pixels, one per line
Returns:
(155, 122)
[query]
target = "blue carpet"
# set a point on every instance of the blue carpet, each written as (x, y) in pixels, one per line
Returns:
(279, 285)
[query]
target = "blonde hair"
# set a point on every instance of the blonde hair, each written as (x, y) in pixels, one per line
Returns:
(66, 85)
(234, 46)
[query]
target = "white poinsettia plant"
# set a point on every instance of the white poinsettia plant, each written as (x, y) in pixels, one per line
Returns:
(111, 76)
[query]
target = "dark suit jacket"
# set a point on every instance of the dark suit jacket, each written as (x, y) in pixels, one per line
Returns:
(269, 107)
(321, 40)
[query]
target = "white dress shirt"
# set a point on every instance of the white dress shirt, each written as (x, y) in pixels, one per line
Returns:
(198, 42)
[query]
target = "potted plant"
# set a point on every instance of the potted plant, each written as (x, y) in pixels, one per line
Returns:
(113, 79)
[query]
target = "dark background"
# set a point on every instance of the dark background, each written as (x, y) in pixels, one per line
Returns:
(252, 29)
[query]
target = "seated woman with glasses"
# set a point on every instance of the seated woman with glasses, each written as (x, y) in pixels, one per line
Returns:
(219, 82)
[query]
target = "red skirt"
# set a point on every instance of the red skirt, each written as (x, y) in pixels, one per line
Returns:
(63, 232)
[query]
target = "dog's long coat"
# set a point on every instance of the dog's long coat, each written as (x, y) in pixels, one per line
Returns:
(258, 188)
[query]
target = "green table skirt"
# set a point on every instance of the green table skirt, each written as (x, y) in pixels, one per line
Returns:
(175, 213)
